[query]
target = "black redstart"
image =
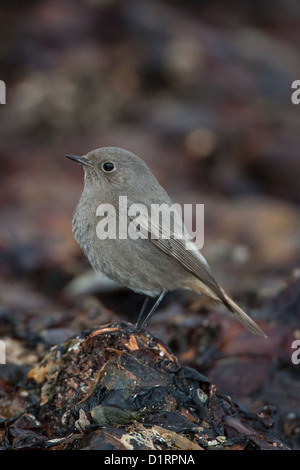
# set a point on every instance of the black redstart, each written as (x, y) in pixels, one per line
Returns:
(154, 263)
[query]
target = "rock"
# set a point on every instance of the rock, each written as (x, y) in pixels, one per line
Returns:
(112, 386)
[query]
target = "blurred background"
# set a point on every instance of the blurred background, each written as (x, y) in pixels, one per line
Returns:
(201, 90)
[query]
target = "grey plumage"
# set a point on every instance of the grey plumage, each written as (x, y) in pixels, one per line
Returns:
(150, 265)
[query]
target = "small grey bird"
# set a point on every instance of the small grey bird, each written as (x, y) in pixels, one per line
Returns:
(151, 265)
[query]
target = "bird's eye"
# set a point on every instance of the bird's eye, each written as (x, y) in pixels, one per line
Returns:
(108, 166)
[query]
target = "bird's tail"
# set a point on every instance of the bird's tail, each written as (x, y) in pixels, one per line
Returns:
(242, 316)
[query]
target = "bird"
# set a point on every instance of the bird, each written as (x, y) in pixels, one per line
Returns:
(152, 264)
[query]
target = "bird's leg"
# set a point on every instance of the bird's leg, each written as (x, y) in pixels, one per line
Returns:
(142, 311)
(140, 326)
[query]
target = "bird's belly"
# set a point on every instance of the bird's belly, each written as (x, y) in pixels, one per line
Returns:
(136, 264)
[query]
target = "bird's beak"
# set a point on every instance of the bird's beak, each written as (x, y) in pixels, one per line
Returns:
(81, 160)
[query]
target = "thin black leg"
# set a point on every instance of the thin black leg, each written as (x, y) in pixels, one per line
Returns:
(139, 326)
(142, 311)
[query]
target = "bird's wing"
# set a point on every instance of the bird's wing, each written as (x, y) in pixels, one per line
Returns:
(174, 240)
(177, 243)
